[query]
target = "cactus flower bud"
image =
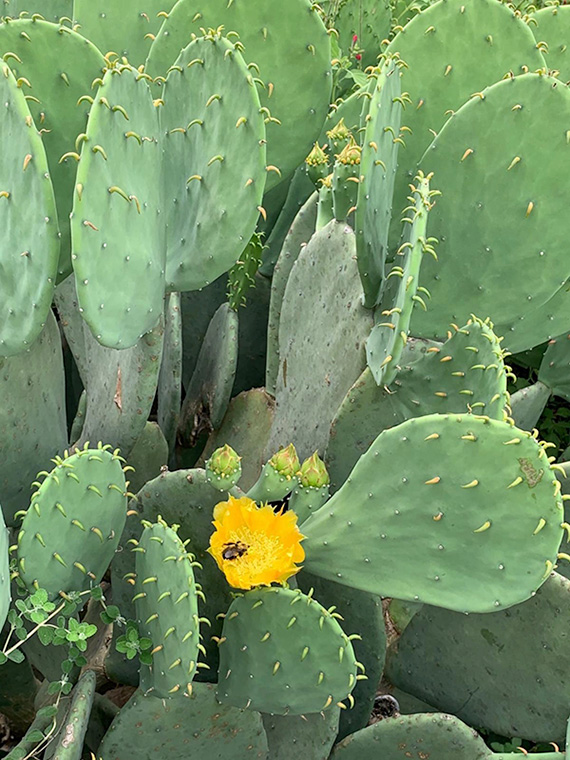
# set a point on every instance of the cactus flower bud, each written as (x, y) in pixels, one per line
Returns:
(340, 133)
(285, 462)
(350, 154)
(223, 468)
(313, 473)
(317, 163)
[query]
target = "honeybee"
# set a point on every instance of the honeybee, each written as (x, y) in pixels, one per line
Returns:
(234, 549)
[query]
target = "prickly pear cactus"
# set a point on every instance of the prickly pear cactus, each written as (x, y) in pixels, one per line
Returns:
(58, 65)
(167, 611)
(502, 170)
(476, 499)
(73, 525)
(213, 160)
(289, 53)
(282, 651)
(29, 252)
(117, 238)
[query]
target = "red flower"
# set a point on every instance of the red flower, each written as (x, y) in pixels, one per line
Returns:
(358, 57)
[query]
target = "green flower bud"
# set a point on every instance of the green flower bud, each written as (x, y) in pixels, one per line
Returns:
(313, 473)
(285, 462)
(317, 163)
(350, 154)
(339, 135)
(223, 468)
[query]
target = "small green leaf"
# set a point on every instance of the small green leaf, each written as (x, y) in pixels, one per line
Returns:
(45, 635)
(16, 656)
(47, 712)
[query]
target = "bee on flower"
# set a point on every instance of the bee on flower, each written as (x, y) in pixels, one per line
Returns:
(254, 545)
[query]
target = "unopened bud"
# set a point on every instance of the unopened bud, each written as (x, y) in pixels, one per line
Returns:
(313, 473)
(285, 462)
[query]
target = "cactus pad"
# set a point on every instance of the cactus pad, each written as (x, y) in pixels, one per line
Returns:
(197, 726)
(469, 46)
(486, 158)
(466, 373)
(32, 416)
(60, 66)
(118, 240)
(167, 610)
(29, 251)
(282, 651)
(389, 335)
(443, 501)
(439, 655)
(289, 52)
(214, 161)
(73, 525)
(378, 171)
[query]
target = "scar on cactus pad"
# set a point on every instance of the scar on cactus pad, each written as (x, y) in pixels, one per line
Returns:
(253, 545)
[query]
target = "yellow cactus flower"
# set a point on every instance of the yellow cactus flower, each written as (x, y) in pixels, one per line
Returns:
(255, 546)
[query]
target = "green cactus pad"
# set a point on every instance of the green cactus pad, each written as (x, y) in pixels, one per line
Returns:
(369, 20)
(554, 368)
(118, 252)
(29, 251)
(390, 333)
(299, 234)
(210, 388)
(378, 172)
(444, 502)
(55, 10)
(300, 190)
(127, 29)
(167, 611)
(308, 736)
(322, 331)
(60, 66)
(121, 386)
(246, 427)
(197, 726)
(551, 26)
(361, 612)
(70, 739)
(184, 498)
(466, 373)
(486, 157)
(32, 416)
(452, 50)
(169, 392)
(73, 525)
(282, 651)
(291, 53)
(214, 161)
(518, 691)
(148, 456)
(425, 735)
(527, 404)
